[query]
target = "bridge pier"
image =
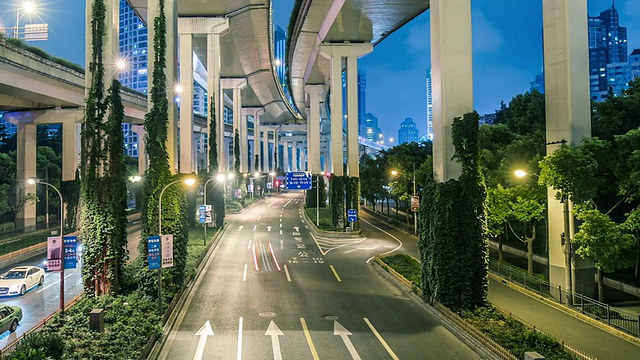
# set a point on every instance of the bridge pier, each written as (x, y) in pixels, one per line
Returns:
(568, 118)
(313, 126)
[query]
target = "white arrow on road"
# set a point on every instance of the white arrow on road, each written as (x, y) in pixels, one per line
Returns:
(268, 228)
(204, 332)
(274, 332)
(296, 228)
(340, 330)
(240, 227)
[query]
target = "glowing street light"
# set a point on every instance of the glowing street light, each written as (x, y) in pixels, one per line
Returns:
(38, 181)
(27, 7)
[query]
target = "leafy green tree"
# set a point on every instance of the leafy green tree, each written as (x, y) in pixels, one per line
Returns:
(216, 193)
(525, 114)
(618, 114)
(526, 207)
(371, 183)
(632, 224)
(497, 214)
(570, 171)
(603, 242)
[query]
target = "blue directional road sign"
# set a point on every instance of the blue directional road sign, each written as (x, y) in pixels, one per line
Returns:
(153, 253)
(70, 254)
(352, 215)
(298, 180)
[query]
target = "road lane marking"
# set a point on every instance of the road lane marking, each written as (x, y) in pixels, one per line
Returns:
(244, 273)
(384, 343)
(307, 335)
(335, 273)
(204, 332)
(388, 252)
(274, 331)
(260, 216)
(344, 334)
(255, 258)
(286, 271)
(239, 356)
(254, 227)
(249, 246)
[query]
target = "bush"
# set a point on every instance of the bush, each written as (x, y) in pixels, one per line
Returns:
(6, 227)
(406, 266)
(39, 343)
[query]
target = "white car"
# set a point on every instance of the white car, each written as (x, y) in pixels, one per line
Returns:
(21, 279)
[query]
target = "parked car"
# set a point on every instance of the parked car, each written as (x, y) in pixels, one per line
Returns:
(21, 279)
(10, 317)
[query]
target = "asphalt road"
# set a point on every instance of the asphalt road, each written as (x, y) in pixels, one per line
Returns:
(272, 291)
(42, 301)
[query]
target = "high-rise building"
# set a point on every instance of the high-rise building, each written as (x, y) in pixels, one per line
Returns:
(370, 130)
(538, 83)
(634, 63)
(408, 131)
(608, 63)
(429, 134)
(362, 102)
(133, 49)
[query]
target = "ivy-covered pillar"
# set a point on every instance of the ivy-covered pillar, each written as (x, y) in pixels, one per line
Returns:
(171, 13)
(236, 85)
(215, 29)
(568, 119)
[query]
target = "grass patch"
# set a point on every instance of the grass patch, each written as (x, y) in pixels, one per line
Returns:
(24, 241)
(406, 266)
(325, 218)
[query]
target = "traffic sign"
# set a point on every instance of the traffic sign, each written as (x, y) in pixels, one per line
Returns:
(415, 203)
(153, 252)
(352, 215)
(204, 214)
(70, 254)
(298, 180)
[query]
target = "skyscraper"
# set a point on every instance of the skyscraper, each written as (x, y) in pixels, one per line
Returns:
(133, 49)
(369, 128)
(634, 63)
(429, 134)
(608, 64)
(408, 131)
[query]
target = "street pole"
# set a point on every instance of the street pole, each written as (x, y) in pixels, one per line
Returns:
(567, 252)
(318, 201)
(415, 213)
(37, 181)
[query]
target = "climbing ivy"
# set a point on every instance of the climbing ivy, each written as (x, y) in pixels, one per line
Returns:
(174, 206)
(452, 227)
(102, 174)
(216, 192)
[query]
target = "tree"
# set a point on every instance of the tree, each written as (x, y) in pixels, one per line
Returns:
(603, 242)
(632, 224)
(497, 214)
(526, 206)
(619, 114)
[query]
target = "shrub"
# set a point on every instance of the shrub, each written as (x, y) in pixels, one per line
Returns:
(39, 343)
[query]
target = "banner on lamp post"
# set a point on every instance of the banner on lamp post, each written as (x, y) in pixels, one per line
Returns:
(54, 253)
(167, 250)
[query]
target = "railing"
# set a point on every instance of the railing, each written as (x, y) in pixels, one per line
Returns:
(602, 312)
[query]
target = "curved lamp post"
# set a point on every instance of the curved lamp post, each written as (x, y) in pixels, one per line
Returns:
(189, 181)
(38, 181)
(204, 200)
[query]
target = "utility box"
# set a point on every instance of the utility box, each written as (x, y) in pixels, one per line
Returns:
(532, 355)
(96, 320)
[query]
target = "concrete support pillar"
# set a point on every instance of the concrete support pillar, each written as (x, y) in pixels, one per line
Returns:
(219, 26)
(170, 13)
(255, 113)
(313, 127)
(452, 79)
(236, 84)
(143, 160)
(566, 68)
(265, 151)
(25, 165)
(276, 151)
(186, 149)
(336, 53)
(285, 156)
(295, 157)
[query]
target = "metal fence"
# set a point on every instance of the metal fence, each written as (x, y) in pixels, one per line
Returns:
(602, 312)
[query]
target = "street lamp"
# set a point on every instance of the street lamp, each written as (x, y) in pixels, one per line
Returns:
(188, 181)
(565, 241)
(38, 181)
(415, 213)
(27, 7)
(204, 200)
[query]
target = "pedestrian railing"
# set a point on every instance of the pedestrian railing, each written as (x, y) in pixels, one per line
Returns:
(602, 312)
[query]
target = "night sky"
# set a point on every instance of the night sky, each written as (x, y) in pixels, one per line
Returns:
(507, 51)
